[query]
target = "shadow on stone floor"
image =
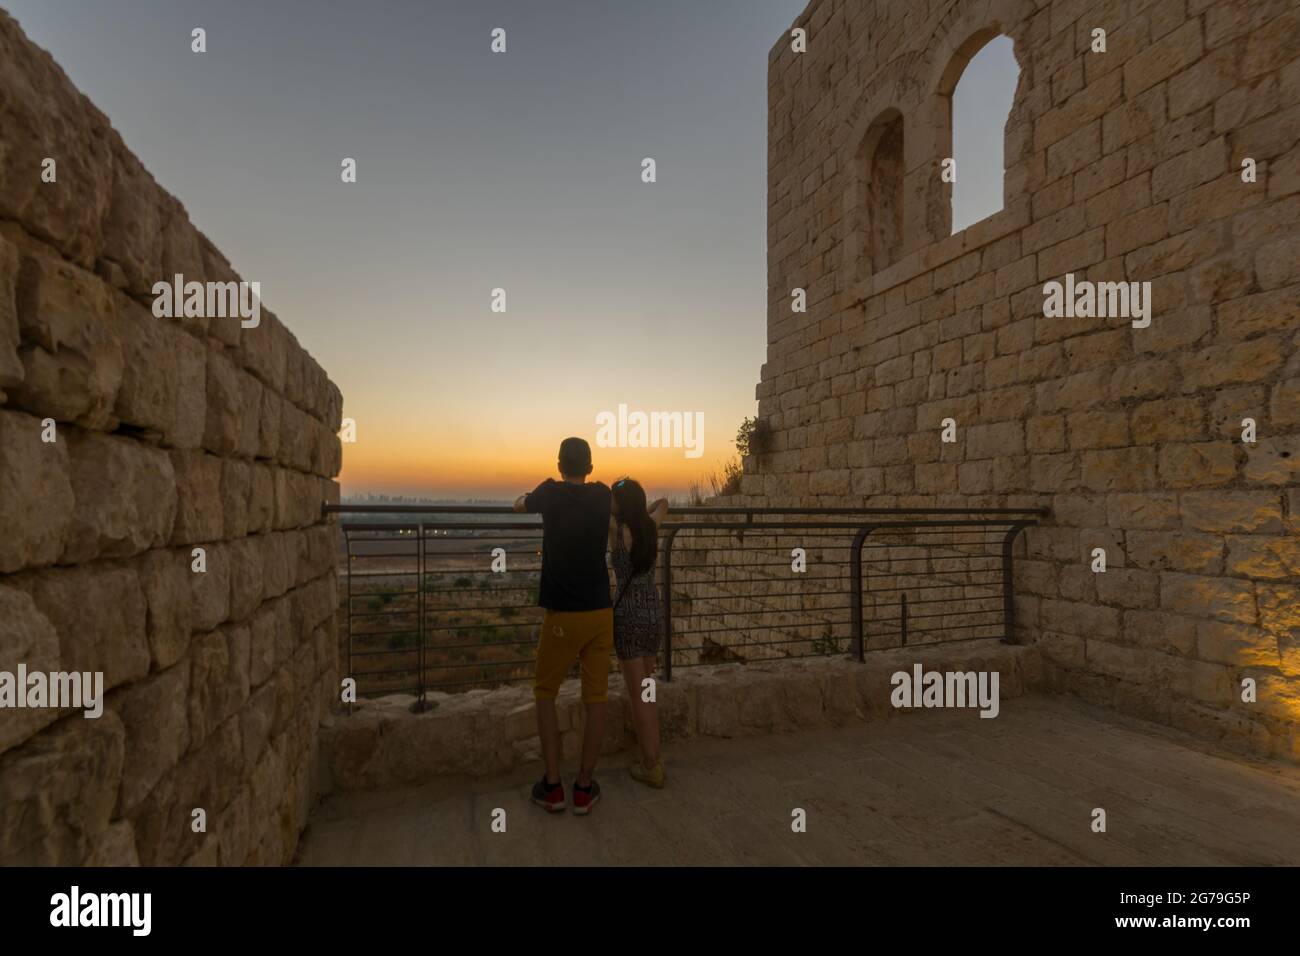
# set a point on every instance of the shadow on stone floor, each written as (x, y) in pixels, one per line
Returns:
(929, 788)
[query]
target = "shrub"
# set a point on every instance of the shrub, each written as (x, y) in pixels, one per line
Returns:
(754, 437)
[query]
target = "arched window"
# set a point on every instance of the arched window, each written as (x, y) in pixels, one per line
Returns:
(880, 193)
(983, 78)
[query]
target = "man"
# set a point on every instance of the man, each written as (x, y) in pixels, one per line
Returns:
(579, 621)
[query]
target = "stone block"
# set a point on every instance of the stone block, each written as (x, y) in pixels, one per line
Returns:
(1098, 429)
(1126, 587)
(227, 411)
(1264, 557)
(1174, 551)
(1162, 631)
(218, 680)
(262, 638)
(244, 558)
(44, 115)
(154, 715)
(11, 367)
(1233, 511)
(256, 718)
(99, 612)
(163, 380)
(1279, 610)
(133, 229)
(72, 344)
(261, 499)
(199, 516)
(26, 637)
(1239, 645)
(115, 846)
(1197, 465)
(1274, 461)
(58, 791)
(124, 496)
(207, 778)
(1225, 599)
(36, 506)
(1119, 469)
(995, 441)
(234, 830)
(210, 589)
(165, 579)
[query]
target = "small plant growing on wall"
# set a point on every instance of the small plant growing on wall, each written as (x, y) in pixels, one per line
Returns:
(827, 643)
(754, 437)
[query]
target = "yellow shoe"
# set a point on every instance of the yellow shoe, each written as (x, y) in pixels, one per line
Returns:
(652, 777)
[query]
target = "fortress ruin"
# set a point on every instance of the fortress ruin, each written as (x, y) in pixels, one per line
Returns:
(1129, 165)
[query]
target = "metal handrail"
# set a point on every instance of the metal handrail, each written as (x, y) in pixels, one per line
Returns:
(345, 508)
(940, 533)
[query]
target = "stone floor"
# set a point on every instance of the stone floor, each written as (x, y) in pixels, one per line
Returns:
(937, 787)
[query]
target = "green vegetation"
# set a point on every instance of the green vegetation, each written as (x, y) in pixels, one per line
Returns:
(754, 437)
(826, 644)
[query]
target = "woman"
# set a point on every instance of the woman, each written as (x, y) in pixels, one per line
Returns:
(638, 618)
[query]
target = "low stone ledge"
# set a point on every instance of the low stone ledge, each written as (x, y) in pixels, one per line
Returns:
(382, 743)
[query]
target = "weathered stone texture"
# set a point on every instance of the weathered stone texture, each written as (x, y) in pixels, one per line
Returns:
(126, 441)
(1120, 166)
(384, 743)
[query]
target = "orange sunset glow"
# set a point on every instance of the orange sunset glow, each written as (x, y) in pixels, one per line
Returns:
(466, 459)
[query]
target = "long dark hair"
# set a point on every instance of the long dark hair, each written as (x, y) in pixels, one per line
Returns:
(630, 497)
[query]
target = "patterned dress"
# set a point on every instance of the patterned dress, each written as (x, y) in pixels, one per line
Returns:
(638, 618)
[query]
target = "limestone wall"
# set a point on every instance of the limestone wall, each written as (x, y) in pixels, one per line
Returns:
(171, 434)
(1124, 165)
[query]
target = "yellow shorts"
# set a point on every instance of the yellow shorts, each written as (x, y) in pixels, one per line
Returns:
(571, 635)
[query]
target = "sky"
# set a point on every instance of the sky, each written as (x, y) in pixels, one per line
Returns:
(980, 105)
(475, 171)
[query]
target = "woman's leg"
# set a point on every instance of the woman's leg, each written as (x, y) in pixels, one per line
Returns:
(650, 717)
(633, 674)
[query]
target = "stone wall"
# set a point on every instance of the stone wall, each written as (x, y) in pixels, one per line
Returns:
(1123, 165)
(170, 435)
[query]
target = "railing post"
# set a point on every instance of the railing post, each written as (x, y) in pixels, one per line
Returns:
(668, 603)
(855, 584)
(1008, 588)
(420, 704)
(347, 538)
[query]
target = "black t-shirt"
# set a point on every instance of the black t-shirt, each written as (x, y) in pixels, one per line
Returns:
(575, 529)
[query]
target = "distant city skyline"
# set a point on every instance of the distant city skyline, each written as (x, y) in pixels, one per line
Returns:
(476, 171)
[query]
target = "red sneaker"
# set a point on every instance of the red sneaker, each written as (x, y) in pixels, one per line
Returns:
(584, 798)
(548, 796)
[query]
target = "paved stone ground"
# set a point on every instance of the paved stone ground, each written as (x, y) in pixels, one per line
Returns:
(937, 787)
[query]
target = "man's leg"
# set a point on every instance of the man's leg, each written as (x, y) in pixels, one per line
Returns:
(595, 690)
(548, 731)
(555, 653)
(593, 732)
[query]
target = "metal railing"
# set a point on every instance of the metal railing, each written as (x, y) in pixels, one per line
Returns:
(444, 597)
